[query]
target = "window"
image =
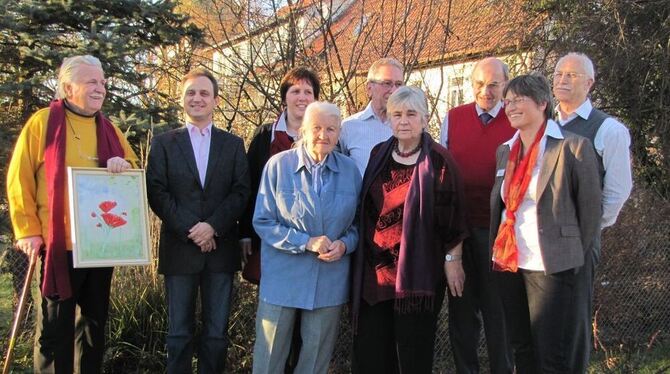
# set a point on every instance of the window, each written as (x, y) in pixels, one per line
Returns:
(456, 95)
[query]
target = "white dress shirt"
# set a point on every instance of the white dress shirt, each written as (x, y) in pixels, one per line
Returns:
(525, 228)
(612, 142)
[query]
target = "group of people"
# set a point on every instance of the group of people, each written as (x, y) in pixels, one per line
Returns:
(503, 214)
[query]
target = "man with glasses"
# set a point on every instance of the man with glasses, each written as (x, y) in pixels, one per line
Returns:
(363, 130)
(574, 76)
(473, 132)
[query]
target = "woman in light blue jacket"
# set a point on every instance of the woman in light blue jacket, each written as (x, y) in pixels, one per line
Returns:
(304, 212)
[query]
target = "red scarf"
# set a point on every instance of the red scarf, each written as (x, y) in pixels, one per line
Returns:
(56, 278)
(518, 173)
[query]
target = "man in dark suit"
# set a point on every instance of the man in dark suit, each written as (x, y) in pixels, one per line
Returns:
(198, 185)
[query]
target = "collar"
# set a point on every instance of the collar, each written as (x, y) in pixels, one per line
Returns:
(493, 112)
(368, 113)
(191, 127)
(583, 111)
(69, 107)
(281, 123)
(306, 161)
(552, 130)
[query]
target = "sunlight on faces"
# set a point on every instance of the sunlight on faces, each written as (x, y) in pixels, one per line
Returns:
(572, 82)
(199, 101)
(298, 97)
(379, 92)
(86, 92)
(407, 123)
(321, 129)
(523, 112)
(488, 83)
(408, 112)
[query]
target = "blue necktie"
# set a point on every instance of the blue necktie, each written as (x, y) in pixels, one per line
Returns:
(485, 118)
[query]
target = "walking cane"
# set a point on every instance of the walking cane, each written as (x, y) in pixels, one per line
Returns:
(19, 312)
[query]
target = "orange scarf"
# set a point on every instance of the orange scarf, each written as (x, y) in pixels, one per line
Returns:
(518, 173)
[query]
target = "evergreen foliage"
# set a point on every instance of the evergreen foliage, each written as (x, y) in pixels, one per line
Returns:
(629, 43)
(35, 36)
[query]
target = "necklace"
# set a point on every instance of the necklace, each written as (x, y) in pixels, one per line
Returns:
(408, 153)
(77, 141)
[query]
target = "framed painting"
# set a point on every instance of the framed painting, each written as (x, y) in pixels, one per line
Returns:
(109, 217)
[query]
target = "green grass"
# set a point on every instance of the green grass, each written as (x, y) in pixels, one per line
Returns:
(23, 351)
(654, 359)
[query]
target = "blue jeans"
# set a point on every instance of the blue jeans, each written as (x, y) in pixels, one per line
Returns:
(215, 296)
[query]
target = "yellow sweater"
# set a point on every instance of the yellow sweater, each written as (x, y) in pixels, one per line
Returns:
(26, 180)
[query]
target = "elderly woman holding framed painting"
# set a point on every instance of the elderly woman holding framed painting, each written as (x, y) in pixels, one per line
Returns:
(304, 212)
(412, 225)
(545, 214)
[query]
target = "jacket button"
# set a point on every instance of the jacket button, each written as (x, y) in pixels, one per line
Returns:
(540, 231)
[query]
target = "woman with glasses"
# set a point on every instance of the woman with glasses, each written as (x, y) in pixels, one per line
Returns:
(411, 228)
(545, 214)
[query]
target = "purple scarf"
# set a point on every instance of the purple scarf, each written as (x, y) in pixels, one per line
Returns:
(416, 280)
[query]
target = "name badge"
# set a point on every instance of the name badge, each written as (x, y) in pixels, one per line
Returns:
(500, 172)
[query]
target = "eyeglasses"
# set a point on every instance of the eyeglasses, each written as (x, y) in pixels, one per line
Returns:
(389, 84)
(567, 74)
(515, 101)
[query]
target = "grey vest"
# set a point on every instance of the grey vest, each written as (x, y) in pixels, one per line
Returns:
(588, 128)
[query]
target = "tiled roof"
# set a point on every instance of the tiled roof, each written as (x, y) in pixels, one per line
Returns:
(427, 31)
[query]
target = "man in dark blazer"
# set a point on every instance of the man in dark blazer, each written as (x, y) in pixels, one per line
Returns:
(198, 185)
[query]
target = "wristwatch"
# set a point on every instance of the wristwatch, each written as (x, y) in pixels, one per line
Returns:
(451, 258)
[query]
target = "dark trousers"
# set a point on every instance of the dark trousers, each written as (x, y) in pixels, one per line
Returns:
(541, 312)
(480, 293)
(215, 296)
(387, 341)
(70, 334)
(583, 325)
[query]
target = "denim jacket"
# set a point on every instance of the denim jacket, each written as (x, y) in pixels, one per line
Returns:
(288, 212)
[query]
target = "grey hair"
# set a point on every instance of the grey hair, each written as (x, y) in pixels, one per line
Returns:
(586, 62)
(314, 108)
(386, 61)
(534, 86)
(68, 69)
(408, 97)
(503, 66)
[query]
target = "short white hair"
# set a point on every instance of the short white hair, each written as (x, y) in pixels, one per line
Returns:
(386, 61)
(408, 97)
(586, 62)
(322, 107)
(68, 70)
(314, 108)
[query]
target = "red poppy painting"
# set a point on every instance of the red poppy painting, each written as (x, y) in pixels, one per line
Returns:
(109, 218)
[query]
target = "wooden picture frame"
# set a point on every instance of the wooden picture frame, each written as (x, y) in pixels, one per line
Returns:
(109, 217)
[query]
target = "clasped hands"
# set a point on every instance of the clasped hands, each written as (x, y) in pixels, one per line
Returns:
(328, 251)
(202, 235)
